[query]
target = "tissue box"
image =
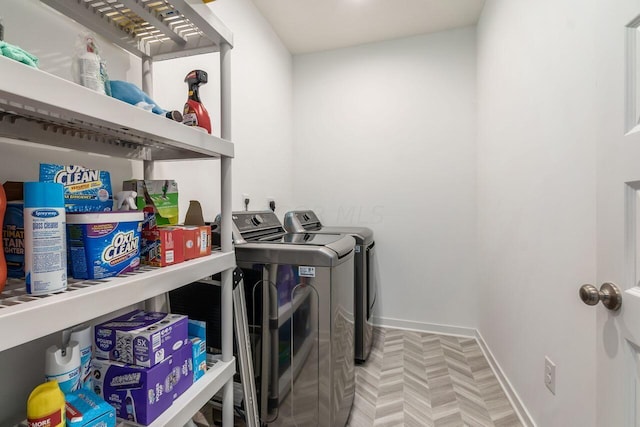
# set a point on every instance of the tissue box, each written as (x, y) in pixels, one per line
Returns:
(141, 394)
(85, 190)
(162, 246)
(141, 338)
(198, 337)
(161, 195)
(197, 241)
(84, 408)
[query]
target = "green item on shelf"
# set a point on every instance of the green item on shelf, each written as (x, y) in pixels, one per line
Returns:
(18, 54)
(160, 194)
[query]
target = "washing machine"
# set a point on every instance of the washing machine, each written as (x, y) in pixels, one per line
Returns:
(299, 295)
(365, 285)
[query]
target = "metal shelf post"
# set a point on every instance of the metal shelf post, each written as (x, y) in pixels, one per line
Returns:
(225, 236)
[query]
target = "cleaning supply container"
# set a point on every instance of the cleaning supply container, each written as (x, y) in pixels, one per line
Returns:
(44, 238)
(62, 364)
(87, 409)
(45, 406)
(82, 335)
(13, 237)
(104, 244)
(3, 261)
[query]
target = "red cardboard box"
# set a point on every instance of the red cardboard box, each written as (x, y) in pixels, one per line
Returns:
(197, 241)
(163, 246)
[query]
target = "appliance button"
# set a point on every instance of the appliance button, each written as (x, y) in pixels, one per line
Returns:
(257, 220)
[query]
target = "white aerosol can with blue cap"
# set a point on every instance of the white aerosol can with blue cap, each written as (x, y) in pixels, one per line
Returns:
(82, 335)
(62, 364)
(44, 238)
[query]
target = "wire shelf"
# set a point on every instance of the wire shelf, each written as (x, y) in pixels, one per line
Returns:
(159, 29)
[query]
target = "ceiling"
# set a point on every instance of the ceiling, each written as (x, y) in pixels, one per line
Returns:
(314, 25)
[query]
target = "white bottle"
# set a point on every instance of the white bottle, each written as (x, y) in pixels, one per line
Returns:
(82, 335)
(63, 365)
(45, 243)
(87, 68)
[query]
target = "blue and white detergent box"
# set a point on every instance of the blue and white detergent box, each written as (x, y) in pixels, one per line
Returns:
(103, 244)
(84, 408)
(13, 238)
(141, 338)
(198, 337)
(85, 190)
(142, 394)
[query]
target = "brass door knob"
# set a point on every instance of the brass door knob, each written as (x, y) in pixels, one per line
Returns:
(609, 294)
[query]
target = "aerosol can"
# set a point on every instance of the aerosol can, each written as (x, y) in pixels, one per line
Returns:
(194, 112)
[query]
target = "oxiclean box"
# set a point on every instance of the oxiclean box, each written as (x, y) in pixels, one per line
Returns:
(103, 244)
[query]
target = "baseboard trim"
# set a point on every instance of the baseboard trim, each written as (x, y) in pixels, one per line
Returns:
(434, 328)
(516, 402)
(523, 414)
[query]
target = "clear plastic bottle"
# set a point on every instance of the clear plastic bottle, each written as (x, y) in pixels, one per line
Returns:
(87, 68)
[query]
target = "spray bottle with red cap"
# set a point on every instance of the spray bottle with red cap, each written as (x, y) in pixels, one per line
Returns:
(194, 112)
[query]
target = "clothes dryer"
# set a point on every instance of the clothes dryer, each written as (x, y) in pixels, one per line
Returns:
(365, 287)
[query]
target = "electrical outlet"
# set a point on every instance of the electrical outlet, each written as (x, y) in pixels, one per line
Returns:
(245, 201)
(550, 374)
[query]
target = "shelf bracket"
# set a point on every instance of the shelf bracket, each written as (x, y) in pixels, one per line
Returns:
(152, 18)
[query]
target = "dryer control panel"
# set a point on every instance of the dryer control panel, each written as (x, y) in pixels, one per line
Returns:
(301, 221)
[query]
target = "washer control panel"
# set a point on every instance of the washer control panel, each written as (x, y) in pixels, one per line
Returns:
(255, 220)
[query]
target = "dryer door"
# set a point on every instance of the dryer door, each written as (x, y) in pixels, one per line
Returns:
(367, 294)
(372, 282)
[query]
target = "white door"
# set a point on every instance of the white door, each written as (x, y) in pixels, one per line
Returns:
(618, 209)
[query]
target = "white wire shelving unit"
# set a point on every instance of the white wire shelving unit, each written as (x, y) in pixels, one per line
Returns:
(41, 108)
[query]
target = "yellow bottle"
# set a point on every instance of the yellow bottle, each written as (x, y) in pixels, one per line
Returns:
(45, 406)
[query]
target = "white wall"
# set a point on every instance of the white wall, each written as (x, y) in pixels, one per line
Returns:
(262, 122)
(536, 200)
(385, 138)
(261, 102)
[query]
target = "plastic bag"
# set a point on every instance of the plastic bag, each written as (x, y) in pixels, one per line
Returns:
(87, 67)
